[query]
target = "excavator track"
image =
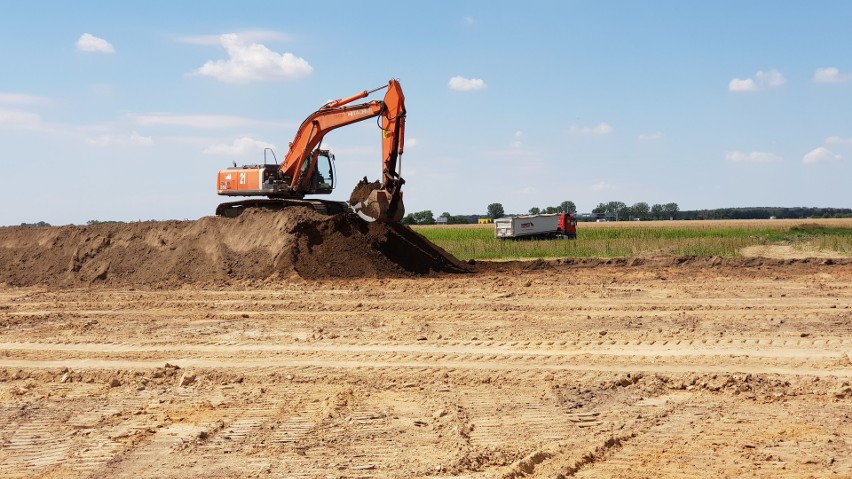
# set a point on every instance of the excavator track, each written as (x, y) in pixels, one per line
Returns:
(236, 208)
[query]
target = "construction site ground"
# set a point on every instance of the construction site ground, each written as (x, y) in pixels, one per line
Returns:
(614, 369)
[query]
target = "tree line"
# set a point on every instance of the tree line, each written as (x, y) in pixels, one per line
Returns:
(765, 212)
(493, 211)
(620, 211)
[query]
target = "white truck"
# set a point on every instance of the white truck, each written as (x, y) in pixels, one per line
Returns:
(557, 225)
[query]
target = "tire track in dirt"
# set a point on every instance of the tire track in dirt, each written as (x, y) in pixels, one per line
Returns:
(819, 357)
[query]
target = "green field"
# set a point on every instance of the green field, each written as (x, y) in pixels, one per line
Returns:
(726, 238)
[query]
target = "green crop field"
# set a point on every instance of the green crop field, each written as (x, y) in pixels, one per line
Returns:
(727, 238)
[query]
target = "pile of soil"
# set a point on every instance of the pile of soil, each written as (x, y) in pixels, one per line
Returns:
(256, 245)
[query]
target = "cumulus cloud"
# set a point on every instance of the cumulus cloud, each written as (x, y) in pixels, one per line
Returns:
(599, 129)
(459, 83)
(820, 155)
(602, 186)
(831, 75)
(762, 80)
(650, 136)
(22, 99)
(134, 139)
(771, 78)
(90, 43)
(253, 62)
(240, 147)
(738, 84)
(753, 157)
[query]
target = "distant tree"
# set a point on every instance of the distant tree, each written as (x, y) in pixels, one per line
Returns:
(617, 209)
(670, 210)
(535, 210)
(39, 224)
(424, 217)
(641, 210)
(551, 209)
(657, 211)
(453, 219)
(495, 210)
(419, 218)
(599, 209)
(567, 207)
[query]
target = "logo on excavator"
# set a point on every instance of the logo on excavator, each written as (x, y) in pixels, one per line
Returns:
(242, 178)
(362, 111)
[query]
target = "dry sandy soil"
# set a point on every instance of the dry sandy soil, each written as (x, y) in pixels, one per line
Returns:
(659, 368)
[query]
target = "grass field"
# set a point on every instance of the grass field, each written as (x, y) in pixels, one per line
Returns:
(727, 238)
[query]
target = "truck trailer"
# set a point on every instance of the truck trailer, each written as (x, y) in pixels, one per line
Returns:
(557, 225)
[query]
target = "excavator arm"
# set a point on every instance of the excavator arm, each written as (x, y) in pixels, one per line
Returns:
(381, 202)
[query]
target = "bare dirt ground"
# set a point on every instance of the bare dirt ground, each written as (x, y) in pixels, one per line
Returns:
(544, 369)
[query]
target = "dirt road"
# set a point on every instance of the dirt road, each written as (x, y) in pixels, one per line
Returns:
(557, 371)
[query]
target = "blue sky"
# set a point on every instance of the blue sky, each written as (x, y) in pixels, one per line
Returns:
(126, 110)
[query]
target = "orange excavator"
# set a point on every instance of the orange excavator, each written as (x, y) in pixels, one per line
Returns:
(309, 170)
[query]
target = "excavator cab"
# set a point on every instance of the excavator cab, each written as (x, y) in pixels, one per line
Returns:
(323, 179)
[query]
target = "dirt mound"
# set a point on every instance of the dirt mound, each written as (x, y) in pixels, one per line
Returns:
(256, 245)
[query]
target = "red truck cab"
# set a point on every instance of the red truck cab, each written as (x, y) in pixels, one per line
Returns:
(567, 225)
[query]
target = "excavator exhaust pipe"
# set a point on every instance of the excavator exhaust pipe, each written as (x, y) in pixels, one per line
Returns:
(372, 203)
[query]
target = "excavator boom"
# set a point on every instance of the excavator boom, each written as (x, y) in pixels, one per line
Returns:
(298, 174)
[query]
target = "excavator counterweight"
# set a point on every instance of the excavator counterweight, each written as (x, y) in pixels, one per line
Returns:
(308, 170)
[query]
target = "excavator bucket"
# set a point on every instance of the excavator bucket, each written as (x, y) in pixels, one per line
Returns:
(372, 203)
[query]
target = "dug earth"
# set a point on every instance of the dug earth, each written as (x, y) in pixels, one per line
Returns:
(296, 345)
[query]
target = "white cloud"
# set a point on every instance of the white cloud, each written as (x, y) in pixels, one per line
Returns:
(738, 84)
(469, 20)
(762, 80)
(411, 142)
(753, 157)
(253, 62)
(240, 147)
(650, 136)
(836, 140)
(599, 129)
(603, 186)
(251, 36)
(831, 75)
(134, 139)
(200, 121)
(517, 143)
(90, 43)
(459, 83)
(771, 78)
(22, 99)
(820, 155)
